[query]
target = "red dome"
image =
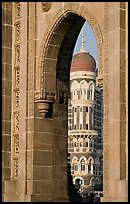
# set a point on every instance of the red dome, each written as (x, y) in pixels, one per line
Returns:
(83, 61)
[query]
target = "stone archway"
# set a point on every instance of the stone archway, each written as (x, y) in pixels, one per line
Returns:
(52, 45)
(44, 74)
(53, 79)
(78, 181)
(105, 71)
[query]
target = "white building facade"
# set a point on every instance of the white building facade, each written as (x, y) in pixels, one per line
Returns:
(85, 114)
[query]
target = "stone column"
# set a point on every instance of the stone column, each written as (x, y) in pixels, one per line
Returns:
(115, 183)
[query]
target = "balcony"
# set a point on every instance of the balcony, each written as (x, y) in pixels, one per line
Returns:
(92, 133)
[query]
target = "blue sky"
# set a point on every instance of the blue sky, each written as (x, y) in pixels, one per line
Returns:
(90, 41)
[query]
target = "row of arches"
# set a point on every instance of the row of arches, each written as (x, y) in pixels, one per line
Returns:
(82, 84)
(82, 165)
(83, 159)
(81, 145)
(82, 90)
(80, 180)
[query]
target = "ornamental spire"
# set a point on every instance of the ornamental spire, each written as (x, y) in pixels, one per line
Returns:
(82, 49)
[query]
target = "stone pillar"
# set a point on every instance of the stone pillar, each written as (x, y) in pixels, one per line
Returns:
(6, 92)
(115, 182)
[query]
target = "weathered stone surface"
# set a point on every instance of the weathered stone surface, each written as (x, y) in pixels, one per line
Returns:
(42, 51)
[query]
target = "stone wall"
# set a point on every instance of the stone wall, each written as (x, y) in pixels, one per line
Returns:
(44, 57)
(6, 90)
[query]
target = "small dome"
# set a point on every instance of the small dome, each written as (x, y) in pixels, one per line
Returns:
(83, 61)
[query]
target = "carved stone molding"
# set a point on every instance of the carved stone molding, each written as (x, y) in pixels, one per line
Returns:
(57, 19)
(99, 82)
(46, 6)
(44, 104)
(16, 91)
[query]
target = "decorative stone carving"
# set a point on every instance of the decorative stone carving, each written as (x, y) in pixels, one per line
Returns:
(106, 96)
(18, 32)
(16, 92)
(17, 76)
(16, 122)
(17, 10)
(100, 82)
(16, 144)
(44, 104)
(18, 54)
(46, 6)
(17, 99)
(16, 162)
(61, 14)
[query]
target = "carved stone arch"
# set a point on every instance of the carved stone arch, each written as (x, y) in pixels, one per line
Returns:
(83, 82)
(88, 16)
(74, 159)
(91, 158)
(91, 83)
(73, 84)
(91, 88)
(78, 177)
(83, 158)
(75, 9)
(92, 179)
(47, 61)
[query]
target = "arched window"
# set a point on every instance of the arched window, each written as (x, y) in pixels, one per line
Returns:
(75, 167)
(75, 164)
(83, 87)
(90, 165)
(91, 91)
(83, 162)
(74, 88)
(83, 165)
(78, 181)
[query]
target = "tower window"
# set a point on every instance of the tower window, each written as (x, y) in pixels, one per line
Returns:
(80, 144)
(76, 167)
(89, 167)
(86, 126)
(80, 126)
(82, 167)
(86, 109)
(77, 144)
(75, 110)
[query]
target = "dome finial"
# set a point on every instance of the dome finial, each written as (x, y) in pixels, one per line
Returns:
(82, 49)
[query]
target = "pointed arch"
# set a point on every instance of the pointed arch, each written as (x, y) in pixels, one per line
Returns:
(83, 158)
(74, 90)
(91, 90)
(49, 50)
(74, 159)
(80, 178)
(91, 159)
(83, 86)
(92, 181)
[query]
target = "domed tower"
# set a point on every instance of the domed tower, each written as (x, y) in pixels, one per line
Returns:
(83, 132)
